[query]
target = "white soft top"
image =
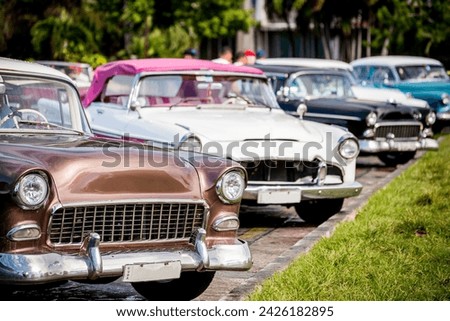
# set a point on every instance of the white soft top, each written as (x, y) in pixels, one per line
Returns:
(395, 61)
(307, 62)
(14, 65)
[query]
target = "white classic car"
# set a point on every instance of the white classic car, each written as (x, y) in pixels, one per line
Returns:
(81, 73)
(229, 111)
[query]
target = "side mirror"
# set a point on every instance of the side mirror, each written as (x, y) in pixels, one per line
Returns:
(136, 106)
(2, 89)
(301, 110)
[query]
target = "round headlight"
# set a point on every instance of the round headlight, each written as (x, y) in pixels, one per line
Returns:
(230, 187)
(431, 118)
(31, 191)
(192, 143)
(349, 148)
(445, 99)
(371, 119)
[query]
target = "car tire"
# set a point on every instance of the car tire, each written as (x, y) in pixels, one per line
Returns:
(318, 211)
(189, 286)
(396, 158)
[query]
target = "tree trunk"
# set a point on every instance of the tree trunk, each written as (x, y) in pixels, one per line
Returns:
(325, 38)
(387, 40)
(290, 32)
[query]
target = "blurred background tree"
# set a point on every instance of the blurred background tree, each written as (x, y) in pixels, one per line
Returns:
(416, 27)
(96, 31)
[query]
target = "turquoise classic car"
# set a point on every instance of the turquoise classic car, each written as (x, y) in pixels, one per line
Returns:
(422, 78)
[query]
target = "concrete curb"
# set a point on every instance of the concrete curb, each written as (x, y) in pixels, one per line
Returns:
(324, 230)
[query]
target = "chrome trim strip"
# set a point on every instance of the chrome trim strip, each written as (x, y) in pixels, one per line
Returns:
(332, 116)
(398, 123)
(130, 201)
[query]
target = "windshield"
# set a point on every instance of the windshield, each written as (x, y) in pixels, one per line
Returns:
(320, 85)
(40, 104)
(198, 90)
(421, 72)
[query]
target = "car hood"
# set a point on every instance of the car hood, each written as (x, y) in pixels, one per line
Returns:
(238, 124)
(362, 108)
(88, 169)
(387, 95)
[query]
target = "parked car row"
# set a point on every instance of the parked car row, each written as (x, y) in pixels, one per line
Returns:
(391, 129)
(231, 112)
(143, 179)
(420, 77)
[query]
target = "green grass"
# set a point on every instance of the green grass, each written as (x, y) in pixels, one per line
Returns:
(397, 248)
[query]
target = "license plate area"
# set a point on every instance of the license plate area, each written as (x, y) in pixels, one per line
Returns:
(279, 197)
(144, 272)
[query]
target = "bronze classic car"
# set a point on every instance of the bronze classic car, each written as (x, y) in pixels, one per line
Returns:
(75, 207)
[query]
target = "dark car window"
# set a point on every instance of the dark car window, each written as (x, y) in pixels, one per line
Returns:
(374, 75)
(321, 85)
(362, 73)
(421, 72)
(381, 75)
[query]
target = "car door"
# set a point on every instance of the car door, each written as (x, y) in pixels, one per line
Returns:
(110, 119)
(111, 116)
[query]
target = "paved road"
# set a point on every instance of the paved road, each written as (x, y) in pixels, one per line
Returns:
(276, 236)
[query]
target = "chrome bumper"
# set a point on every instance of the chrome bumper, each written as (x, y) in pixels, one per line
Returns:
(291, 194)
(90, 264)
(373, 146)
(443, 115)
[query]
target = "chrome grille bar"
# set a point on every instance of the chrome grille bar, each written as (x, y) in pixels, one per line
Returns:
(399, 130)
(136, 222)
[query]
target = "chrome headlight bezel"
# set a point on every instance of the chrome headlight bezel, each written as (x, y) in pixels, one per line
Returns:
(371, 119)
(31, 190)
(348, 148)
(225, 182)
(430, 119)
(445, 99)
(191, 144)
(226, 223)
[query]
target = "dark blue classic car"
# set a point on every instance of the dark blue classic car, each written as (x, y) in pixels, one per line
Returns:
(422, 78)
(392, 131)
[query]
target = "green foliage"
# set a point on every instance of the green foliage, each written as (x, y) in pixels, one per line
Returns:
(213, 18)
(94, 60)
(67, 39)
(52, 29)
(170, 42)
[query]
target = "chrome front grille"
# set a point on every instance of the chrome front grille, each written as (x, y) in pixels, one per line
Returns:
(138, 222)
(288, 171)
(400, 130)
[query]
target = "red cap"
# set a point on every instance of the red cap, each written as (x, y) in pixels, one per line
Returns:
(249, 52)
